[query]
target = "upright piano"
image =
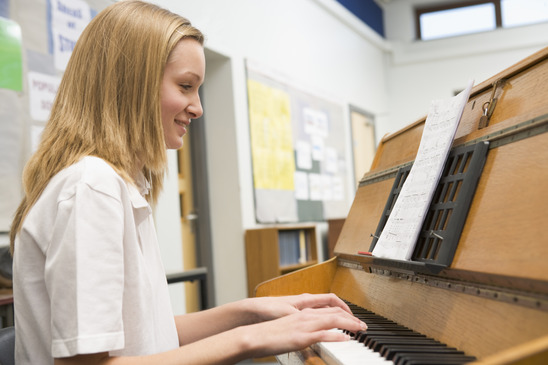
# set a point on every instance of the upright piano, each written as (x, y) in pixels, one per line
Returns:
(489, 299)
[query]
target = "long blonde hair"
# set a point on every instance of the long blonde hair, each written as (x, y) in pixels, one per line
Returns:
(108, 102)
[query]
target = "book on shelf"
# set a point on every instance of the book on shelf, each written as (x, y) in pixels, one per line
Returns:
(294, 247)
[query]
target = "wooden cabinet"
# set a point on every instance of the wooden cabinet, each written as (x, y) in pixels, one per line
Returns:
(274, 251)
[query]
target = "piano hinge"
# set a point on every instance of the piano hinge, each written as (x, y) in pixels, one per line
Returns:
(382, 175)
(526, 129)
(349, 264)
(522, 298)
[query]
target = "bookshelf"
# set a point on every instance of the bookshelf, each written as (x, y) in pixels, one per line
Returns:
(274, 251)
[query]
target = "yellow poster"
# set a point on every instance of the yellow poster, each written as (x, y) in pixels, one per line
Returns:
(271, 137)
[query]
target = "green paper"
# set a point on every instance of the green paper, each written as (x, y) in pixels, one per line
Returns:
(11, 60)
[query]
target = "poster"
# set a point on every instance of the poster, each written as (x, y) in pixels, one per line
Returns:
(10, 152)
(68, 20)
(42, 91)
(11, 60)
(271, 136)
(298, 153)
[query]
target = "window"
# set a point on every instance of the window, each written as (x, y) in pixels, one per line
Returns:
(523, 12)
(477, 16)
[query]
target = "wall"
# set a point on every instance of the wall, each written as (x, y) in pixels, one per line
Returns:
(167, 215)
(317, 45)
(420, 71)
(31, 15)
(322, 48)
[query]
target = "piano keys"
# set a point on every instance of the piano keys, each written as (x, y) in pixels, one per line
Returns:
(350, 352)
(387, 342)
(491, 300)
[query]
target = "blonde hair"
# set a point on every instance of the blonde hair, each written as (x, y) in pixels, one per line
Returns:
(108, 102)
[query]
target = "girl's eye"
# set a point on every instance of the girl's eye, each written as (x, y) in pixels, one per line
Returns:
(186, 87)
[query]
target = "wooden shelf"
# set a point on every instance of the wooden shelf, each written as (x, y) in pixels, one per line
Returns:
(275, 251)
(289, 268)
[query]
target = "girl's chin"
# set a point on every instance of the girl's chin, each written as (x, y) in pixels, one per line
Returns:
(174, 145)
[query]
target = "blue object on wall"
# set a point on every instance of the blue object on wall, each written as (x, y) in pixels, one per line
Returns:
(5, 8)
(367, 11)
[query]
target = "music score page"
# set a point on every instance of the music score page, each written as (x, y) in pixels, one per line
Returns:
(400, 234)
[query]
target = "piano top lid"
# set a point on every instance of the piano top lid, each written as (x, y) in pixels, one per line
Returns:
(401, 146)
(482, 87)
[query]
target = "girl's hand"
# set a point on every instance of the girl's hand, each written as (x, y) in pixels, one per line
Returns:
(268, 308)
(302, 328)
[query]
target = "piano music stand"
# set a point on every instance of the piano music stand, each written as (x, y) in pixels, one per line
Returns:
(441, 230)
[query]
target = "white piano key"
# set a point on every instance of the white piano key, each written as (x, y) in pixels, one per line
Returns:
(349, 352)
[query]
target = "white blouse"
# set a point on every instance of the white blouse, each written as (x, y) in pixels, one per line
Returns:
(87, 272)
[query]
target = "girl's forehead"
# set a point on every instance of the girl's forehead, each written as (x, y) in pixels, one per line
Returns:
(187, 57)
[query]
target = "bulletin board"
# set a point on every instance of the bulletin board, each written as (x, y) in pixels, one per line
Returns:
(11, 85)
(298, 152)
(36, 41)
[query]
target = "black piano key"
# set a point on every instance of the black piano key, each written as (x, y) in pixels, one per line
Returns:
(423, 349)
(388, 330)
(381, 343)
(442, 359)
(369, 337)
(376, 324)
(396, 353)
(438, 360)
(361, 336)
(395, 327)
(364, 335)
(375, 328)
(388, 327)
(371, 340)
(408, 358)
(390, 350)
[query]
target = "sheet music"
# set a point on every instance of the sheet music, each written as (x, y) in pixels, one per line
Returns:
(398, 238)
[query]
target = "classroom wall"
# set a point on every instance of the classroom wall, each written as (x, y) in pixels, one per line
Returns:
(32, 15)
(323, 48)
(319, 47)
(316, 44)
(419, 71)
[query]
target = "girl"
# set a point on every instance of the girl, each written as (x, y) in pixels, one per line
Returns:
(89, 285)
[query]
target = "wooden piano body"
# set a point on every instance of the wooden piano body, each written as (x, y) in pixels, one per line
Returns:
(492, 300)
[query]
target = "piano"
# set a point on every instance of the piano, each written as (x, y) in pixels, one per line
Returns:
(489, 300)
